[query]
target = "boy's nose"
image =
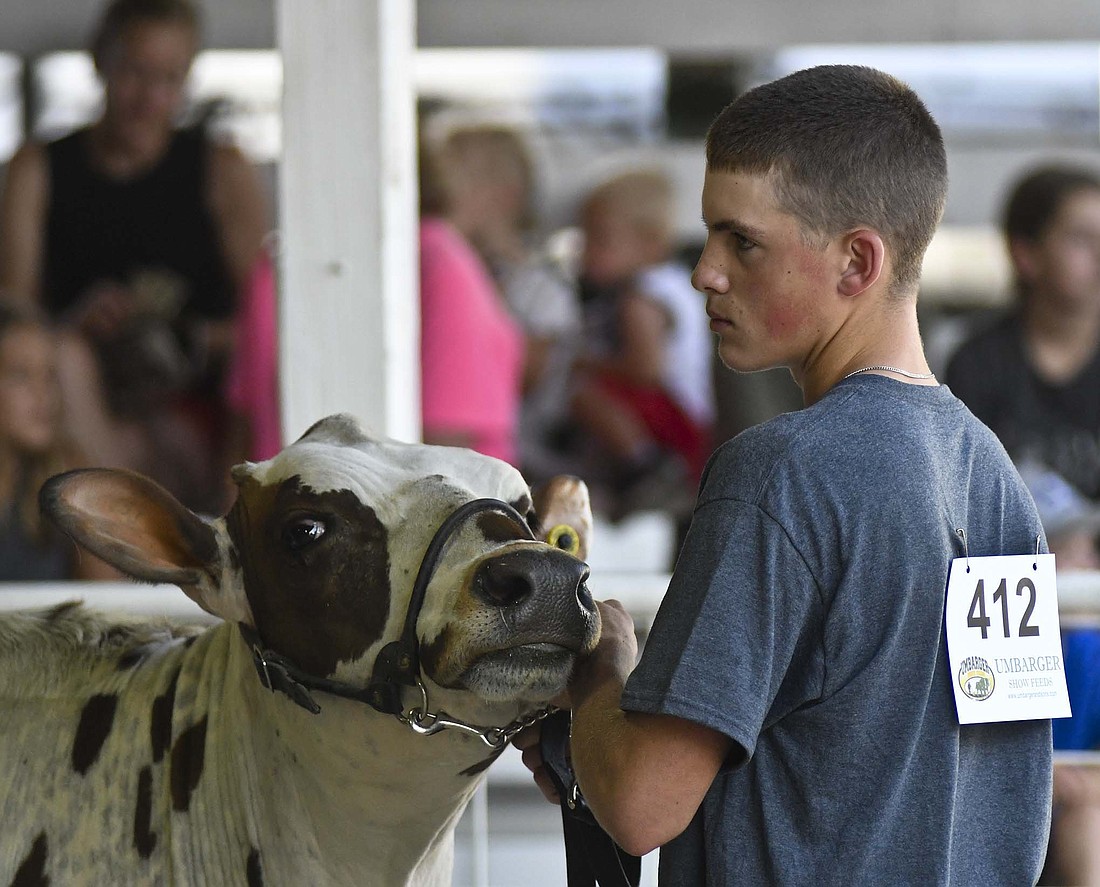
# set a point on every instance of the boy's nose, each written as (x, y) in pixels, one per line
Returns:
(708, 279)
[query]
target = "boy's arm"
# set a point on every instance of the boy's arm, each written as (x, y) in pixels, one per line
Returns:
(643, 775)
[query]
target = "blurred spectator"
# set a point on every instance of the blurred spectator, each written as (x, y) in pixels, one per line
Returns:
(1034, 375)
(140, 236)
(31, 450)
(643, 390)
(490, 182)
(471, 350)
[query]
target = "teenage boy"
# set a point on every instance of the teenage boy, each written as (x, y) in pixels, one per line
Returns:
(791, 720)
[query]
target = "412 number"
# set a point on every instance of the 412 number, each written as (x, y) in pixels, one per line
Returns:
(977, 617)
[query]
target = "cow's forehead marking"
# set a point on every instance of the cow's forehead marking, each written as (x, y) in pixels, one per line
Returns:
(376, 470)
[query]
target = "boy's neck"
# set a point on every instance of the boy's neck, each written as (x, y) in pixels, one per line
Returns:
(888, 337)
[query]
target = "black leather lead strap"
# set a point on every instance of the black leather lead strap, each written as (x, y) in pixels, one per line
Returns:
(279, 673)
(591, 856)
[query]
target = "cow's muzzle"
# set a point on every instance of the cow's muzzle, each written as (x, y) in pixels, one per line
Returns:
(514, 578)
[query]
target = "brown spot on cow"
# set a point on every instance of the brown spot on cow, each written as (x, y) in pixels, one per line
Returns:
(160, 722)
(186, 764)
(144, 838)
(254, 872)
(96, 721)
(316, 568)
(432, 653)
(32, 870)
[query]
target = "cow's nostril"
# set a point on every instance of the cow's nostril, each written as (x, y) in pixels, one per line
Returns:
(505, 580)
(584, 596)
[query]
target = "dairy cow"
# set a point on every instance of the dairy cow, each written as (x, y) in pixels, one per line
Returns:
(278, 747)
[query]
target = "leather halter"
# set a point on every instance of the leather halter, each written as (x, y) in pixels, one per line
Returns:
(398, 663)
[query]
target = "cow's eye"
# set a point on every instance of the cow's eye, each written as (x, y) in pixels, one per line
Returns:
(564, 537)
(303, 532)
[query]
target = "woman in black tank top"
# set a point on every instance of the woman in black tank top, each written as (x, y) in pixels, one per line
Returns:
(139, 236)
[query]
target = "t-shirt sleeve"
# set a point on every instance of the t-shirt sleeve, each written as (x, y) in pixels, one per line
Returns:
(736, 642)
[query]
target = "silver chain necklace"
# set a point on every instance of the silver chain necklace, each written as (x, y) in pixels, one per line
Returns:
(900, 372)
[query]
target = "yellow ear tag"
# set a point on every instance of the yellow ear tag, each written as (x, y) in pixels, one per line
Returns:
(564, 537)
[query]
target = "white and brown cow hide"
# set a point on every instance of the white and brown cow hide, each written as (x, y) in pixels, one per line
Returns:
(146, 754)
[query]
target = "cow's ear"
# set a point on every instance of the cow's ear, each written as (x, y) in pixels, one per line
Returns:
(135, 525)
(565, 514)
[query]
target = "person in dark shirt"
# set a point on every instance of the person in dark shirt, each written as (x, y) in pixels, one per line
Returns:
(139, 235)
(1033, 376)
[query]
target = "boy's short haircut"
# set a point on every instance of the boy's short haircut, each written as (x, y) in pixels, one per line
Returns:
(642, 197)
(848, 147)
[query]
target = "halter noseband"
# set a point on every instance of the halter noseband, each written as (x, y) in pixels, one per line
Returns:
(398, 663)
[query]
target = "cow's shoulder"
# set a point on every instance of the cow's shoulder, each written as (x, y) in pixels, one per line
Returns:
(52, 651)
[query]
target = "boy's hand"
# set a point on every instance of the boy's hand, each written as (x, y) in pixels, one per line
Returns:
(614, 656)
(527, 741)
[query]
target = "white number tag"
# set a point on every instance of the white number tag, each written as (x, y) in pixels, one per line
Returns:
(1004, 643)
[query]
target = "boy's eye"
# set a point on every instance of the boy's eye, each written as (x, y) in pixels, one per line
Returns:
(742, 242)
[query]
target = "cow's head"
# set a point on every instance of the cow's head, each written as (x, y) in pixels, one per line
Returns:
(321, 549)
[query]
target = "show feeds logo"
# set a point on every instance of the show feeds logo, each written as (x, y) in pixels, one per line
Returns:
(976, 678)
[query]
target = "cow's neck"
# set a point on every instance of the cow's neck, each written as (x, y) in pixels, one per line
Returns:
(376, 797)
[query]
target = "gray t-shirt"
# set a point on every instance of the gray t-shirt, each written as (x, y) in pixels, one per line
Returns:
(805, 621)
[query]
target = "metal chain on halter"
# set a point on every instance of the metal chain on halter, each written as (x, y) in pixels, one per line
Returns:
(424, 723)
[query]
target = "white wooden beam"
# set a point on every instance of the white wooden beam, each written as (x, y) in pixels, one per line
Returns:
(349, 304)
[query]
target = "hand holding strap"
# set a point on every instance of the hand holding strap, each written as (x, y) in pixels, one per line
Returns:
(591, 856)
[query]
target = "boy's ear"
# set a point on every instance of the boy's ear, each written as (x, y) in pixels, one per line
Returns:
(865, 256)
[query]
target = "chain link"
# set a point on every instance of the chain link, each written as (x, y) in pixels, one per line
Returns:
(427, 723)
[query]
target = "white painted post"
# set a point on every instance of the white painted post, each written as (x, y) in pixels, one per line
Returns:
(349, 292)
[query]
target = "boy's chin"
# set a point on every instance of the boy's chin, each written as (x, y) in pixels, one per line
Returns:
(739, 362)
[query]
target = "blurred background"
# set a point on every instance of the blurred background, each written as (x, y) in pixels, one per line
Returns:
(599, 87)
(596, 86)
